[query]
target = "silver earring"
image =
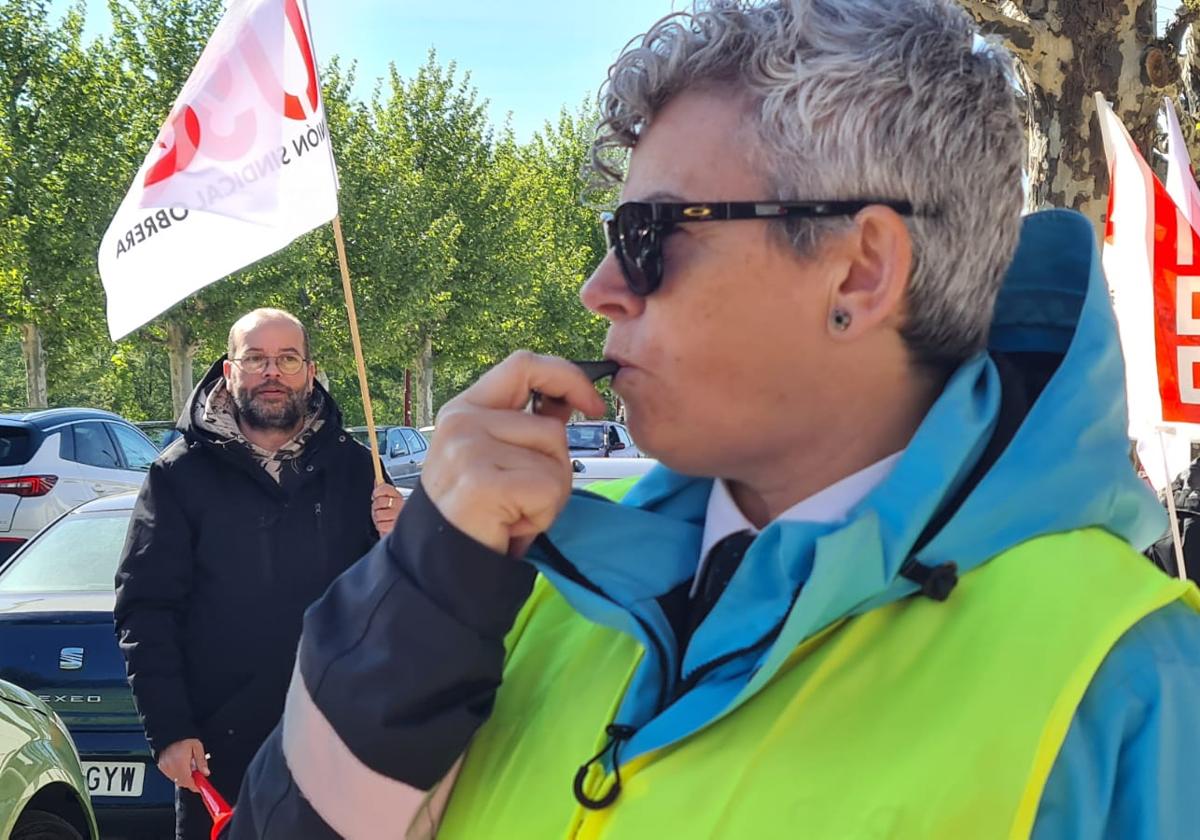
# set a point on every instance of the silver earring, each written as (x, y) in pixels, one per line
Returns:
(841, 320)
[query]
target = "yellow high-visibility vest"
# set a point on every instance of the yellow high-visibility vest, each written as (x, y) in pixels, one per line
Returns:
(918, 719)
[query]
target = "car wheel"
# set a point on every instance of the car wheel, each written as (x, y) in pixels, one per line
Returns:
(41, 825)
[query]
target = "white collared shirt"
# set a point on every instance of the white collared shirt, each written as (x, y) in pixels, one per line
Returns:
(829, 505)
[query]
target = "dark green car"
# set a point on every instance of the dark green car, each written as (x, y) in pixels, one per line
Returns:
(43, 794)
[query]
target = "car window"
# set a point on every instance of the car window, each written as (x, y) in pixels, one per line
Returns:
(78, 552)
(396, 444)
(14, 446)
(415, 444)
(160, 434)
(624, 436)
(362, 437)
(94, 446)
(585, 437)
(139, 452)
(66, 443)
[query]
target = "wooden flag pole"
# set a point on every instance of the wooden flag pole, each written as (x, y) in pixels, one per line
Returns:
(357, 342)
(1180, 568)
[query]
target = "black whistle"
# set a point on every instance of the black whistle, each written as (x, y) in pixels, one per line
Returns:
(595, 371)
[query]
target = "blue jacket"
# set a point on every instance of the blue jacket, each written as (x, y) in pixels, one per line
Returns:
(1026, 439)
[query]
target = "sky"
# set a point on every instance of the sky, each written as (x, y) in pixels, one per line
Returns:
(1165, 13)
(529, 58)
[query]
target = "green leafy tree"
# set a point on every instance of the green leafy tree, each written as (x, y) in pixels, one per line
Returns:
(550, 241)
(12, 388)
(463, 245)
(56, 148)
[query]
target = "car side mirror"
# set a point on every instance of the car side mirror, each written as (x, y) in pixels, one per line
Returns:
(613, 447)
(577, 466)
(395, 450)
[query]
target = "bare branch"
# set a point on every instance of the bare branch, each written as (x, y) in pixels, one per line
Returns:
(1004, 18)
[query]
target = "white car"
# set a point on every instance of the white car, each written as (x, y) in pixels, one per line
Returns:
(401, 448)
(53, 460)
(588, 470)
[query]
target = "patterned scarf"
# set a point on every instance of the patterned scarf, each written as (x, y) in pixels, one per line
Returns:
(217, 414)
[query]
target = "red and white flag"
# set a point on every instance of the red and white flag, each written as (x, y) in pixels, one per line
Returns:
(1181, 183)
(242, 166)
(1151, 256)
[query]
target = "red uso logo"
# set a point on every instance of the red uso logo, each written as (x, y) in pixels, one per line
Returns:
(191, 126)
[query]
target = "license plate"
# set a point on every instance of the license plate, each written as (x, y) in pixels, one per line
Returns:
(108, 778)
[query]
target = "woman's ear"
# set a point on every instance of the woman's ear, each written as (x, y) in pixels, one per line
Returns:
(875, 286)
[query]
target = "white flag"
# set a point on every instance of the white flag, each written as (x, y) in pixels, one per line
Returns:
(241, 168)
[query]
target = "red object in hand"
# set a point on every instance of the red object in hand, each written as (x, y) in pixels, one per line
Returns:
(217, 807)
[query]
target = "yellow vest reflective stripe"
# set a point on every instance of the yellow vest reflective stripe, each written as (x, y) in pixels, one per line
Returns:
(917, 720)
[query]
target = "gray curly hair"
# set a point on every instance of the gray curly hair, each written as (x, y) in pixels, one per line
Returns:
(897, 99)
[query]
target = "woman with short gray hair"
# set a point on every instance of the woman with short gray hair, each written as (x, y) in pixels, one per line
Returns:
(885, 579)
(854, 98)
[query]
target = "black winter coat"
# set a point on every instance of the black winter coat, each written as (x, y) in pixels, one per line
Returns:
(219, 565)
(1163, 551)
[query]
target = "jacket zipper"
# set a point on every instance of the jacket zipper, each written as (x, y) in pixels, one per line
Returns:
(693, 679)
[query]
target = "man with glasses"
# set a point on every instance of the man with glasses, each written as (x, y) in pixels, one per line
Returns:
(241, 524)
(884, 582)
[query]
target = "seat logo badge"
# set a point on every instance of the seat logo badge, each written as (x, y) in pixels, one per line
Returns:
(70, 659)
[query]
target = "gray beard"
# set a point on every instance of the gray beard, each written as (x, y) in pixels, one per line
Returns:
(256, 415)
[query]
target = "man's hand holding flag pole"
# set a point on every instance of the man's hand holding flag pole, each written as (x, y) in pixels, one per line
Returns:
(242, 167)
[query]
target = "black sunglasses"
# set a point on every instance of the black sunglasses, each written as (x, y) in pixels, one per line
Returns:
(638, 229)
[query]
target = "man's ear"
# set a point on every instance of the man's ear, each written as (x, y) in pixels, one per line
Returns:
(875, 286)
(226, 367)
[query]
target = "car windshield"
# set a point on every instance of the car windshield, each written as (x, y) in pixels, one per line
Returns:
(78, 553)
(362, 437)
(585, 437)
(161, 435)
(14, 446)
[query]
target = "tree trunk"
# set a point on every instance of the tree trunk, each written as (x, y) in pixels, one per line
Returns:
(407, 397)
(425, 394)
(1068, 50)
(181, 351)
(36, 393)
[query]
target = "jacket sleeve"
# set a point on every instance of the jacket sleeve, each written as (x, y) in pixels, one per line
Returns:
(154, 582)
(398, 667)
(1128, 766)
